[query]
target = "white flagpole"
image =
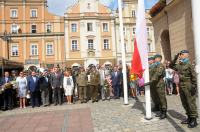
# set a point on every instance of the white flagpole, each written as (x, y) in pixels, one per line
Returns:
(123, 54)
(196, 30)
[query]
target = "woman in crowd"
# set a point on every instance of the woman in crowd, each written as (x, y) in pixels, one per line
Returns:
(169, 79)
(68, 86)
(22, 89)
(133, 84)
(176, 81)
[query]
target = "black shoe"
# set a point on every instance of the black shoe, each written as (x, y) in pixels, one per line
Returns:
(33, 106)
(93, 101)
(55, 104)
(158, 114)
(163, 116)
(187, 121)
(192, 123)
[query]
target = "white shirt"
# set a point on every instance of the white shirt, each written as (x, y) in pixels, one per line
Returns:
(34, 78)
(169, 73)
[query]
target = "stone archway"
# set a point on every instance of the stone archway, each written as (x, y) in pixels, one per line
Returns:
(165, 44)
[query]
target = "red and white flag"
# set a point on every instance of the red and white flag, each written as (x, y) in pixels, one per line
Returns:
(140, 54)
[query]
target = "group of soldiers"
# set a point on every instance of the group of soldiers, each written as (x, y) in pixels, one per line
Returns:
(188, 86)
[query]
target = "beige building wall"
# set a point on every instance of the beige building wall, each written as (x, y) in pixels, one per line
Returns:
(176, 18)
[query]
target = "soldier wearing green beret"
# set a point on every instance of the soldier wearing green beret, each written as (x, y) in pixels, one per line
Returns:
(154, 96)
(188, 85)
(158, 83)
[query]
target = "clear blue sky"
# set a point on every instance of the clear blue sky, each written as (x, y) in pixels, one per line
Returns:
(59, 6)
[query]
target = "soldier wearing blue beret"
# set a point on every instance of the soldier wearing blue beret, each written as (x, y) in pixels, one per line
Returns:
(159, 85)
(188, 86)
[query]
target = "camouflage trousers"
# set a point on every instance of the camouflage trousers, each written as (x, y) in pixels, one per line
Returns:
(154, 96)
(188, 100)
(160, 93)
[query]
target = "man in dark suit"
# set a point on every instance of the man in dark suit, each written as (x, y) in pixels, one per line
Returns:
(33, 87)
(7, 94)
(44, 83)
(116, 77)
(56, 84)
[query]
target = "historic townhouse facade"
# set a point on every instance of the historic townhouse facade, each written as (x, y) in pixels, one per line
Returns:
(30, 34)
(89, 34)
(129, 20)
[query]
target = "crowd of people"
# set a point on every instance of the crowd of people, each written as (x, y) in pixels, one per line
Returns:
(55, 86)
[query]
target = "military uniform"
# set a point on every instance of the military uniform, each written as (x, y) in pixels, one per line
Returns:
(188, 85)
(93, 85)
(159, 85)
(82, 86)
(154, 96)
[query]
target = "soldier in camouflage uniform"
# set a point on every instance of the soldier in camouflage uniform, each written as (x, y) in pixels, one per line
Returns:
(158, 83)
(94, 83)
(82, 85)
(152, 88)
(188, 85)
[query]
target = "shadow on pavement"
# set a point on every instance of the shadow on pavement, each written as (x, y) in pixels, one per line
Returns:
(139, 105)
(175, 125)
(176, 115)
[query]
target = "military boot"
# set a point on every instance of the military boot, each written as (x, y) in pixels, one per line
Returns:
(187, 121)
(192, 123)
(158, 114)
(163, 115)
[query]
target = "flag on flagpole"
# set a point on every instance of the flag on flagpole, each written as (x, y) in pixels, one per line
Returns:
(140, 54)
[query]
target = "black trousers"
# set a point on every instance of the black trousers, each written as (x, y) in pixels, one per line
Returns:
(35, 98)
(57, 93)
(7, 99)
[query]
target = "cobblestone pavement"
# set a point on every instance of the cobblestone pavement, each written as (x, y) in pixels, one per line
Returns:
(104, 116)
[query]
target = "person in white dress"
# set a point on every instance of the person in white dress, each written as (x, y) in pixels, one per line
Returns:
(68, 86)
(22, 89)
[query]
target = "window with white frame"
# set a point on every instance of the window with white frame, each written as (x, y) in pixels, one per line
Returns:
(148, 31)
(49, 27)
(125, 47)
(89, 27)
(124, 30)
(133, 13)
(14, 50)
(106, 45)
(13, 13)
(90, 44)
(134, 31)
(33, 28)
(74, 45)
(14, 29)
(74, 27)
(49, 49)
(105, 27)
(34, 49)
(149, 47)
(33, 13)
